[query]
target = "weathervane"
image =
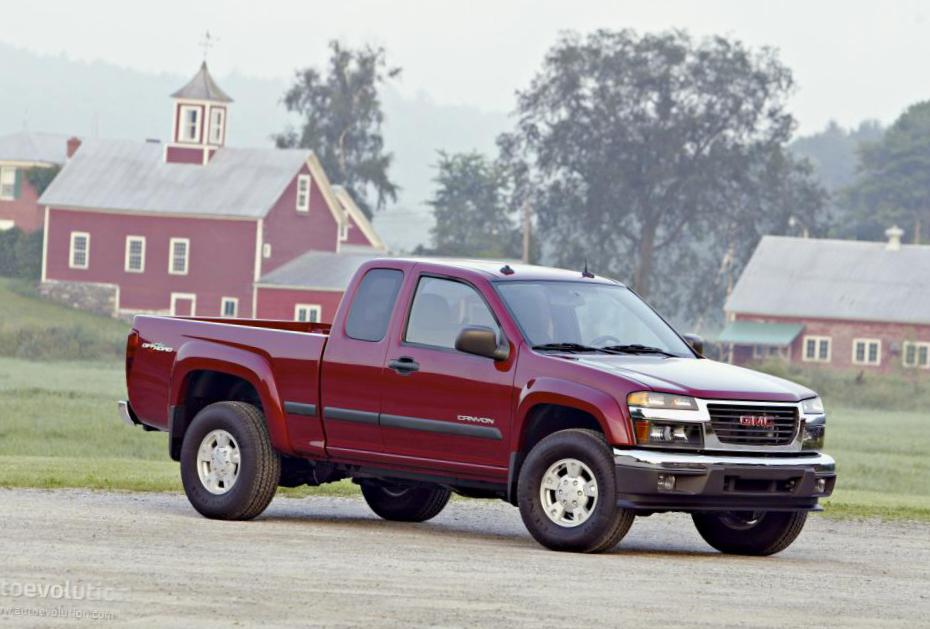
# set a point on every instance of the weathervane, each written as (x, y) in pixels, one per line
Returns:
(207, 43)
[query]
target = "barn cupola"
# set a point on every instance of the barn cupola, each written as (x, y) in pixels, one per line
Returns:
(200, 114)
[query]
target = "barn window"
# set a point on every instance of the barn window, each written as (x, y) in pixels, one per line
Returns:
(7, 183)
(867, 352)
(217, 118)
(135, 254)
(229, 307)
(190, 123)
(79, 256)
(308, 312)
(266, 250)
(178, 252)
(916, 354)
(817, 349)
(303, 193)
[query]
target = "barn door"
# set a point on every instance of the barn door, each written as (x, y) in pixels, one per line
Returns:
(183, 304)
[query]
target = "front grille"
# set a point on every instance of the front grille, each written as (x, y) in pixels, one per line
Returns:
(733, 424)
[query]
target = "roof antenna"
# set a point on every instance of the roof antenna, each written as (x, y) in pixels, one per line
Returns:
(507, 269)
(586, 272)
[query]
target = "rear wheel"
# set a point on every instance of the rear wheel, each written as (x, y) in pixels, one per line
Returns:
(750, 532)
(405, 503)
(566, 493)
(228, 467)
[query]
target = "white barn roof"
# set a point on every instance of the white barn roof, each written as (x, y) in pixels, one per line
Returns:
(132, 176)
(317, 269)
(835, 279)
(44, 148)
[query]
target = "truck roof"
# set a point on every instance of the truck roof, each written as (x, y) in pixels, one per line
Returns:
(502, 270)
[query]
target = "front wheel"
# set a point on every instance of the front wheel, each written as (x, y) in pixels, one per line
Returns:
(750, 532)
(567, 493)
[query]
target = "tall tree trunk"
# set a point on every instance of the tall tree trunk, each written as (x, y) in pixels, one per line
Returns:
(645, 256)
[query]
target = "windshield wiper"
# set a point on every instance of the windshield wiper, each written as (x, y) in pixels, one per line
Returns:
(571, 347)
(636, 348)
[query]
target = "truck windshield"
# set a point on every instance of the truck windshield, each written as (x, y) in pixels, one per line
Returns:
(578, 316)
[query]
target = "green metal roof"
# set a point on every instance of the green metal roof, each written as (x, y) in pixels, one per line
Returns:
(758, 333)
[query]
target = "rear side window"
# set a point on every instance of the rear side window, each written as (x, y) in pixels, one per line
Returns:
(374, 301)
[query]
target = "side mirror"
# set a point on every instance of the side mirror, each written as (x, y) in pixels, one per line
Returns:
(481, 340)
(696, 342)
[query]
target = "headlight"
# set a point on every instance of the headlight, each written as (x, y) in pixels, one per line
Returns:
(666, 432)
(812, 406)
(651, 399)
(669, 434)
(815, 431)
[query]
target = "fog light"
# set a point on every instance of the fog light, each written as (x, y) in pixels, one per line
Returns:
(820, 486)
(666, 482)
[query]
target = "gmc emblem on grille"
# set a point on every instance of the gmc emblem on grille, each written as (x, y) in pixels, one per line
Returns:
(757, 421)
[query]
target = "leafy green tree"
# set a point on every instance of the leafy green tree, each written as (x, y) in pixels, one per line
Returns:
(41, 178)
(654, 157)
(470, 207)
(834, 152)
(893, 182)
(341, 122)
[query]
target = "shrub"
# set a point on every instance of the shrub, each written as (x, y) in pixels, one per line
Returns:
(905, 390)
(74, 342)
(20, 254)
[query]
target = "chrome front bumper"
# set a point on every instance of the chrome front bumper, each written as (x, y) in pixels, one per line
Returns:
(654, 480)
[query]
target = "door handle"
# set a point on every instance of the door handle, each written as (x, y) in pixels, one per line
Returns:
(404, 365)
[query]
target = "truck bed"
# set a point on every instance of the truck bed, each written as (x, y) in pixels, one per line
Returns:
(165, 355)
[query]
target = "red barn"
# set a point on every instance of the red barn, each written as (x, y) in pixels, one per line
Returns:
(20, 153)
(833, 303)
(186, 227)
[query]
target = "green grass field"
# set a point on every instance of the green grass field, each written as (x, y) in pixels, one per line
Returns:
(59, 428)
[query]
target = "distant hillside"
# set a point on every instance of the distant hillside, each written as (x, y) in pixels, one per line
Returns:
(57, 94)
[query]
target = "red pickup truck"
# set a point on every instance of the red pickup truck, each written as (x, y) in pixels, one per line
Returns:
(558, 391)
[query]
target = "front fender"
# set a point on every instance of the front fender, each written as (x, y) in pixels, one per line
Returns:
(201, 355)
(608, 412)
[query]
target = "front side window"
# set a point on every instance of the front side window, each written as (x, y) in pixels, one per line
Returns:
(441, 308)
(80, 250)
(817, 349)
(303, 193)
(135, 254)
(178, 252)
(190, 123)
(217, 118)
(589, 314)
(308, 312)
(867, 352)
(373, 304)
(916, 355)
(7, 183)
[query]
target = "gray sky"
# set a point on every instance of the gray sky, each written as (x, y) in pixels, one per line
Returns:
(852, 59)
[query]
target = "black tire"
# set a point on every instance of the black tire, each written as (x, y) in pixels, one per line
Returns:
(405, 503)
(259, 469)
(747, 533)
(605, 526)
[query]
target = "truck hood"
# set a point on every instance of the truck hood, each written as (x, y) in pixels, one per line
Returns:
(697, 377)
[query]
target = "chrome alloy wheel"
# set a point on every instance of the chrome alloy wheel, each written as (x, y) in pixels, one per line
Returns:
(218, 462)
(568, 492)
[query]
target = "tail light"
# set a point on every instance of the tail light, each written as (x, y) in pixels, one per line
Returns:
(132, 346)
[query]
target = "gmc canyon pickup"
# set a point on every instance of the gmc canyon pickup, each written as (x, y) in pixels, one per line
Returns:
(558, 391)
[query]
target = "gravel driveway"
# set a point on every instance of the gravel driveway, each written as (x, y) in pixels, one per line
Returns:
(149, 559)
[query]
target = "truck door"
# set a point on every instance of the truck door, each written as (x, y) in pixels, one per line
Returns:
(351, 383)
(441, 405)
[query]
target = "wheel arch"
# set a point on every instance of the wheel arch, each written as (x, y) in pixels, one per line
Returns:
(548, 405)
(206, 372)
